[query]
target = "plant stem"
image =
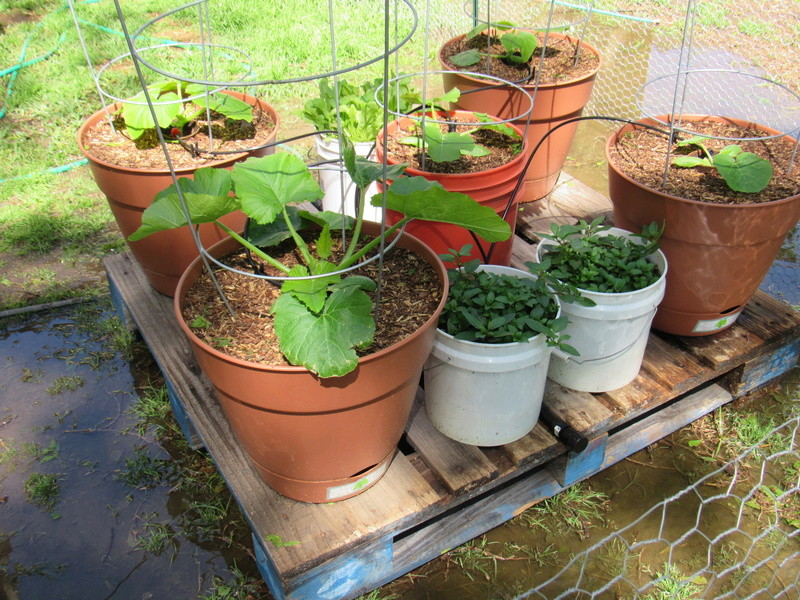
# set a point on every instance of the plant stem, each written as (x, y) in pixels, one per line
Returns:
(358, 255)
(357, 229)
(301, 244)
(252, 248)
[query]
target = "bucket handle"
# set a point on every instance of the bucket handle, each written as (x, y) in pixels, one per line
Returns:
(576, 359)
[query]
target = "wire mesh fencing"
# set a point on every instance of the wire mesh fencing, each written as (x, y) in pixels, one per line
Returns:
(703, 541)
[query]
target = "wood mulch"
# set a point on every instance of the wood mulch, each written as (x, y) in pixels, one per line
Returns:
(559, 63)
(409, 296)
(115, 147)
(503, 148)
(641, 155)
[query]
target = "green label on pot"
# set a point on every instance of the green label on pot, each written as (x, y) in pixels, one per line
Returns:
(715, 324)
(362, 483)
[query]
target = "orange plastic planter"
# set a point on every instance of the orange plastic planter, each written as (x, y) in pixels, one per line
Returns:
(492, 188)
(163, 256)
(718, 254)
(313, 439)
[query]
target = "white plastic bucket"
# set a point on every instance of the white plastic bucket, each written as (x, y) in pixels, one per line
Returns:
(340, 191)
(486, 394)
(611, 337)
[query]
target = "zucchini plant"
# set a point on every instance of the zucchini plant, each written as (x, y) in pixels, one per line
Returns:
(319, 321)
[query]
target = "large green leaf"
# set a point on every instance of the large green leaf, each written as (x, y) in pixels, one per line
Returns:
(311, 292)
(743, 171)
(222, 103)
(138, 116)
(419, 198)
(207, 199)
(362, 171)
(324, 343)
(265, 185)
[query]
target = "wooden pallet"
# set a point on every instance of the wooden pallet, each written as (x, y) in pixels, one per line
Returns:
(438, 494)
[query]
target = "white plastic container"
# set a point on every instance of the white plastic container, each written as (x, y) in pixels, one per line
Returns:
(486, 394)
(340, 191)
(610, 337)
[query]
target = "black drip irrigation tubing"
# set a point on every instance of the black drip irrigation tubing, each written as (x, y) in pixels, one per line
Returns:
(486, 256)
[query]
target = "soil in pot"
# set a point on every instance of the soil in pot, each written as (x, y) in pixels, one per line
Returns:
(112, 144)
(503, 149)
(558, 65)
(409, 297)
(641, 153)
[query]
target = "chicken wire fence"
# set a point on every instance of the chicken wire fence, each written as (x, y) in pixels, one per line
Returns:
(735, 59)
(703, 541)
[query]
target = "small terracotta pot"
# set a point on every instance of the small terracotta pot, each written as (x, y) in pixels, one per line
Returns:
(313, 439)
(165, 255)
(718, 253)
(492, 188)
(553, 103)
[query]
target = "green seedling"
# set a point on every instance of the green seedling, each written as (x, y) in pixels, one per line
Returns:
(42, 489)
(743, 171)
(320, 322)
(449, 146)
(601, 263)
(494, 308)
(519, 46)
(173, 113)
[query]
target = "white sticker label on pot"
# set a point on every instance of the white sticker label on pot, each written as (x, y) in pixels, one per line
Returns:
(716, 324)
(341, 491)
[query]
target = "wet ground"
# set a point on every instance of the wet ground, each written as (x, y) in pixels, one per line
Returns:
(91, 507)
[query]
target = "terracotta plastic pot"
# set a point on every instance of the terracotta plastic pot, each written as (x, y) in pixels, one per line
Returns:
(718, 254)
(492, 188)
(313, 439)
(553, 103)
(165, 255)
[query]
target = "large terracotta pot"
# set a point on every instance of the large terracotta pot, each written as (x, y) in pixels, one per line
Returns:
(553, 104)
(492, 188)
(718, 253)
(165, 255)
(313, 439)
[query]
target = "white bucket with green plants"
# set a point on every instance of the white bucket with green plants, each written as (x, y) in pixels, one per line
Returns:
(624, 276)
(485, 377)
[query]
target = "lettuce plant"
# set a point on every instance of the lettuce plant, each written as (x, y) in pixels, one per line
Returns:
(742, 171)
(360, 115)
(319, 321)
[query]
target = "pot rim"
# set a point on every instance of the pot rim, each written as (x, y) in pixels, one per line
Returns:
(617, 231)
(183, 285)
(103, 112)
(615, 135)
(544, 86)
(510, 165)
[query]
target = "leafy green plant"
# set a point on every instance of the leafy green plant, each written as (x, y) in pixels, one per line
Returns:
(176, 107)
(447, 146)
(319, 321)
(360, 115)
(609, 263)
(42, 489)
(497, 308)
(742, 171)
(519, 45)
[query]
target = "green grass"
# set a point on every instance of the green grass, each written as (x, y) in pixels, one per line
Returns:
(42, 489)
(62, 217)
